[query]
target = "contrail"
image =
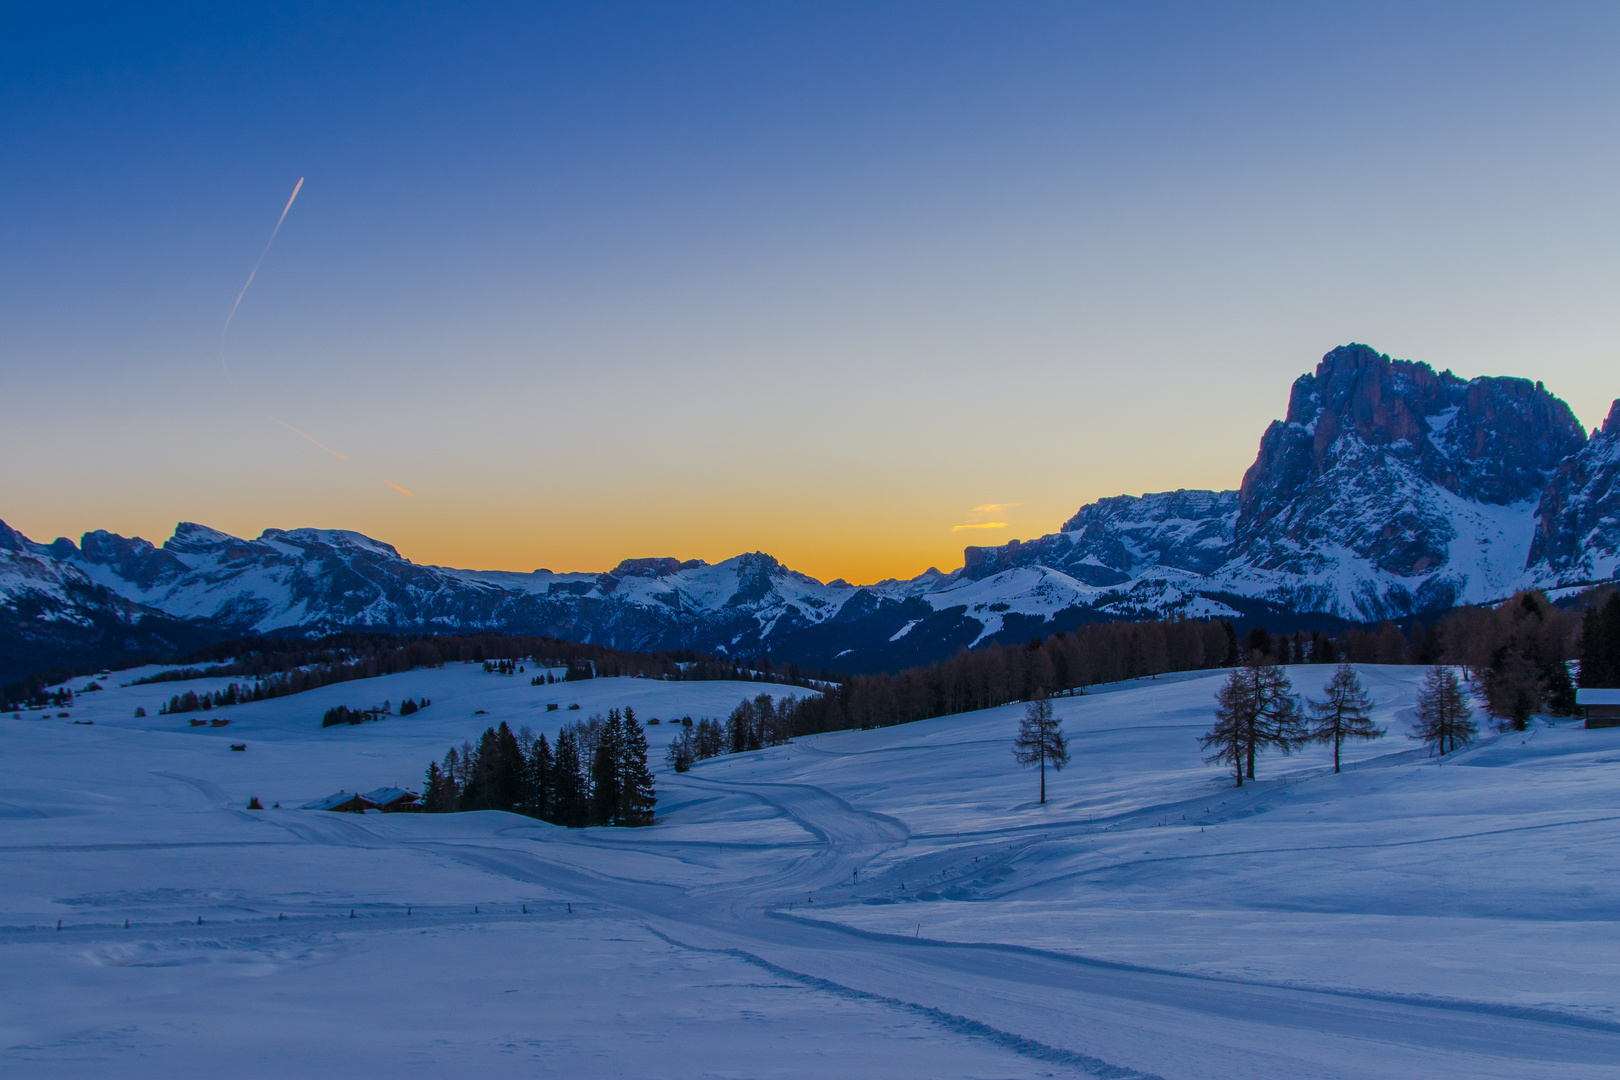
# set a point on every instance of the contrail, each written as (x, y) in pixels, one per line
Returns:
(249, 281)
(313, 439)
(224, 333)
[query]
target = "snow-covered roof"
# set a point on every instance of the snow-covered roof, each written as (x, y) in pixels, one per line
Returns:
(342, 798)
(385, 795)
(1594, 696)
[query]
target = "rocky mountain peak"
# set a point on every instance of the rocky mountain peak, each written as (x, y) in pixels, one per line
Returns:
(131, 558)
(12, 540)
(1494, 440)
(192, 539)
(651, 568)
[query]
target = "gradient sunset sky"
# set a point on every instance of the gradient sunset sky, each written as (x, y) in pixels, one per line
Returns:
(853, 284)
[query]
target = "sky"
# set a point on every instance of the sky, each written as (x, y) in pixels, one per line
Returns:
(853, 284)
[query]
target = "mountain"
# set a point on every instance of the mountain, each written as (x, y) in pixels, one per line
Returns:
(1388, 489)
(1577, 537)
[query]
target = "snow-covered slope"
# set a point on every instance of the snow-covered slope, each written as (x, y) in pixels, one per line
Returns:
(1389, 489)
(889, 903)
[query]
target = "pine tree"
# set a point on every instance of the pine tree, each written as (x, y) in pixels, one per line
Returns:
(1560, 689)
(637, 795)
(1277, 721)
(478, 791)
(537, 775)
(1228, 740)
(1255, 709)
(606, 790)
(708, 738)
(742, 728)
(1040, 739)
(439, 794)
(568, 804)
(507, 771)
(1344, 713)
(1513, 686)
(1600, 645)
(1444, 715)
(681, 754)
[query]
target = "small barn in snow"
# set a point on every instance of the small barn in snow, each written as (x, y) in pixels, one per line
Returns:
(1602, 707)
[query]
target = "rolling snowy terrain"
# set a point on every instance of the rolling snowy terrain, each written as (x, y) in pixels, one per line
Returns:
(1389, 489)
(879, 903)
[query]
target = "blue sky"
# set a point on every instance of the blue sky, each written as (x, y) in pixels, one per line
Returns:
(595, 281)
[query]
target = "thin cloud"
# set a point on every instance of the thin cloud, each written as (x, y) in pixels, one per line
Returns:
(396, 487)
(978, 517)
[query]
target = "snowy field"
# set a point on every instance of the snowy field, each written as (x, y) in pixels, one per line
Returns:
(888, 903)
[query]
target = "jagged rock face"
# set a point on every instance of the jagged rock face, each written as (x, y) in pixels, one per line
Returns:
(1492, 440)
(1578, 520)
(1366, 434)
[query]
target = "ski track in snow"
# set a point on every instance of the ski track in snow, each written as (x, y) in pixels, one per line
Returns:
(918, 914)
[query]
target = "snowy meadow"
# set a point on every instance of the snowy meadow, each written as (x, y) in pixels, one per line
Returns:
(875, 903)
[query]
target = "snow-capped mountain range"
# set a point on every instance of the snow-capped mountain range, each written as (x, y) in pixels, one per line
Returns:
(1388, 490)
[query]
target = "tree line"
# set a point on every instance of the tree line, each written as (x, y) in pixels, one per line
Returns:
(1515, 651)
(597, 774)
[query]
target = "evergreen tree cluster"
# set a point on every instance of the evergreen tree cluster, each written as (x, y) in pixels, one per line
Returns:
(997, 674)
(1600, 644)
(234, 694)
(342, 714)
(596, 775)
(410, 706)
(1516, 652)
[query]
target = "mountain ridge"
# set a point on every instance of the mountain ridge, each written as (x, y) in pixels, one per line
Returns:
(1387, 490)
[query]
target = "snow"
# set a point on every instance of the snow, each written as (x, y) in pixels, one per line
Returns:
(879, 903)
(904, 630)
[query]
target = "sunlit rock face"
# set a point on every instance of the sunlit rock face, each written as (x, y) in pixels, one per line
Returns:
(1391, 489)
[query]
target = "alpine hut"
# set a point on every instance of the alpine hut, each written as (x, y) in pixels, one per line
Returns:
(1601, 706)
(393, 800)
(344, 802)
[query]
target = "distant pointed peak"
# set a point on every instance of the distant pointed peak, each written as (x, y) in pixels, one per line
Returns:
(12, 540)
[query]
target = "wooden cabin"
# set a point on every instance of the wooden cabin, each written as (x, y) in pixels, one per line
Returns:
(1601, 706)
(393, 800)
(344, 802)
